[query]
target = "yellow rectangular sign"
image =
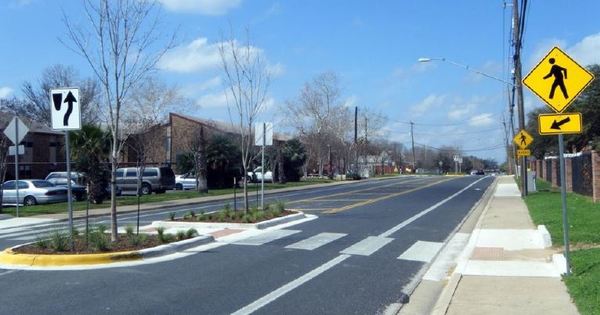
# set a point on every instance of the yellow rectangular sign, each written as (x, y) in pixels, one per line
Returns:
(523, 153)
(555, 124)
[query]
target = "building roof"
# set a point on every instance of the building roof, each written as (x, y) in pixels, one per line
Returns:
(225, 127)
(34, 126)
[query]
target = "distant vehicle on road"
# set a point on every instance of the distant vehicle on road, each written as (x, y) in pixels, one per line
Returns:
(32, 192)
(154, 179)
(185, 181)
(257, 175)
(477, 172)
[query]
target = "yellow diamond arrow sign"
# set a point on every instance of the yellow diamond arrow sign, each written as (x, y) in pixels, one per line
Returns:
(558, 79)
(555, 124)
(523, 139)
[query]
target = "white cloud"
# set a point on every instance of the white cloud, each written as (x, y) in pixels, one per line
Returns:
(430, 102)
(276, 70)
(207, 7)
(351, 101)
(5, 92)
(586, 51)
(196, 56)
(213, 100)
(482, 120)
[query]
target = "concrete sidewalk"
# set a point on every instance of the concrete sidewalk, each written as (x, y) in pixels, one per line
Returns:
(507, 267)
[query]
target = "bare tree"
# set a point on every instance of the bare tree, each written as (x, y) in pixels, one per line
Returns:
(119, 45)
(247, 80)
(37, 106)
(320, 117)
(4, 143)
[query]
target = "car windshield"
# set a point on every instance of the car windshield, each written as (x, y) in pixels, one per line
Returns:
(42, 183)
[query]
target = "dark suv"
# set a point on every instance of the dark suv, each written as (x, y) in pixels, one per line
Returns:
(154, 179)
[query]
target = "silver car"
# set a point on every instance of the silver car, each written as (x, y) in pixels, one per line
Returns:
(32, 192)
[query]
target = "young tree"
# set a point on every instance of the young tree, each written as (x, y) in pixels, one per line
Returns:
(90, 151)
(247, 81)
(121, 46)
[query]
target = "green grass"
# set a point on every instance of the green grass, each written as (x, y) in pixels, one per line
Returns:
(584, 215)
(132, 200)
(584, 281)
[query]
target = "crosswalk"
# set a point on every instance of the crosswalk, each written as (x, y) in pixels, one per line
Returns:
(420, 251)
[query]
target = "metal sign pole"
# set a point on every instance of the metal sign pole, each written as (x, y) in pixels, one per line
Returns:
(563, 193)
(17, 162)
(262, 180)
(69, 197)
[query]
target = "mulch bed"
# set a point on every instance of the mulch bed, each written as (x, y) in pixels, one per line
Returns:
(122, 245)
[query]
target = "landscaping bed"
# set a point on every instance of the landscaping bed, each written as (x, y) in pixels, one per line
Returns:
(228, 215)
(98, 241)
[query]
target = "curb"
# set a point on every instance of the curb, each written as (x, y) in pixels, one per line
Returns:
(216, 225)
(11, 258)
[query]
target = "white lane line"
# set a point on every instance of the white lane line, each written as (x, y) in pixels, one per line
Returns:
(6, 272)
(316, 241)
(367, 246)
(422, 251)
(426, 211)
(266, 237)
(250, 308)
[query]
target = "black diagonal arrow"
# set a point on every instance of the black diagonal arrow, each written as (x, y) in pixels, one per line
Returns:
(69, 100)
(556, 124)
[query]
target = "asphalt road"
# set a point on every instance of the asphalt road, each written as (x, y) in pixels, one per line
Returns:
(350, 260)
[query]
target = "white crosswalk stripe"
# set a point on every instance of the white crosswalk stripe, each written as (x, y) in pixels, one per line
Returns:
(367, 246)
(316, 241)
(266, 237)
(421, 251)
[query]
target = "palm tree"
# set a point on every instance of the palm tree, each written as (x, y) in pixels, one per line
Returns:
(90, 149)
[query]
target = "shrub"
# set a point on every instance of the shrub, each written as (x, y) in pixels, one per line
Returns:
(227, 207)
(190, 233)
(172, 216)
(180, 235)
(98, 239)
(41, 242)
(192, 214)
(129, 230)
(75, 232)
(136, 240)
(280, 206)
(162, 237)
(59, 241)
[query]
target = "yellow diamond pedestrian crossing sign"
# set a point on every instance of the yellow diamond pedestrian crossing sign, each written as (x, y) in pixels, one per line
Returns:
(523, 139)
(558, 79)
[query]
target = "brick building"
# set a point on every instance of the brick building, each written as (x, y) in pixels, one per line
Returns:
(44, 150)
(165, 142)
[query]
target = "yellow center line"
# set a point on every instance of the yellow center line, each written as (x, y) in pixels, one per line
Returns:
(336, 210)
(350, 192)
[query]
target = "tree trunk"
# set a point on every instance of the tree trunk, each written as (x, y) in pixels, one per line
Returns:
(114, 236)
(201, 162)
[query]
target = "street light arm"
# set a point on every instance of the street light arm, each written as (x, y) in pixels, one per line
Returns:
(466, 67)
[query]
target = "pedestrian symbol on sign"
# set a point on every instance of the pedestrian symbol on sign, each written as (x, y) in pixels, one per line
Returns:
(559, 80)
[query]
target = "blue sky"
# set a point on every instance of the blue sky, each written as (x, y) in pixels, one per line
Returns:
(372, 45)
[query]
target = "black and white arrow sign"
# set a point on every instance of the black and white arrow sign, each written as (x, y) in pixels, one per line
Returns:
(65, 109)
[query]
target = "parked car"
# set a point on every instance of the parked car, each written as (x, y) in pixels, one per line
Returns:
(154, 179)
(185, 181)
(77, 187)
(256, 175)
(32, 192)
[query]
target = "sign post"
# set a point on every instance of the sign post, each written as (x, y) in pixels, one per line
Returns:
(558, 79)
(65, 112)
(15, 132)
(263, 134)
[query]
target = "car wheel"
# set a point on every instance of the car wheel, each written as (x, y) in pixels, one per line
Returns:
(146, 189)
(29, 201)
(178, 187)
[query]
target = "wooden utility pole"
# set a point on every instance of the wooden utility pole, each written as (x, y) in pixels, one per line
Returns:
(519, 88)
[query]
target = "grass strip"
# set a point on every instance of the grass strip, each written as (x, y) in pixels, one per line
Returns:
(584, 281)
(584, 215)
